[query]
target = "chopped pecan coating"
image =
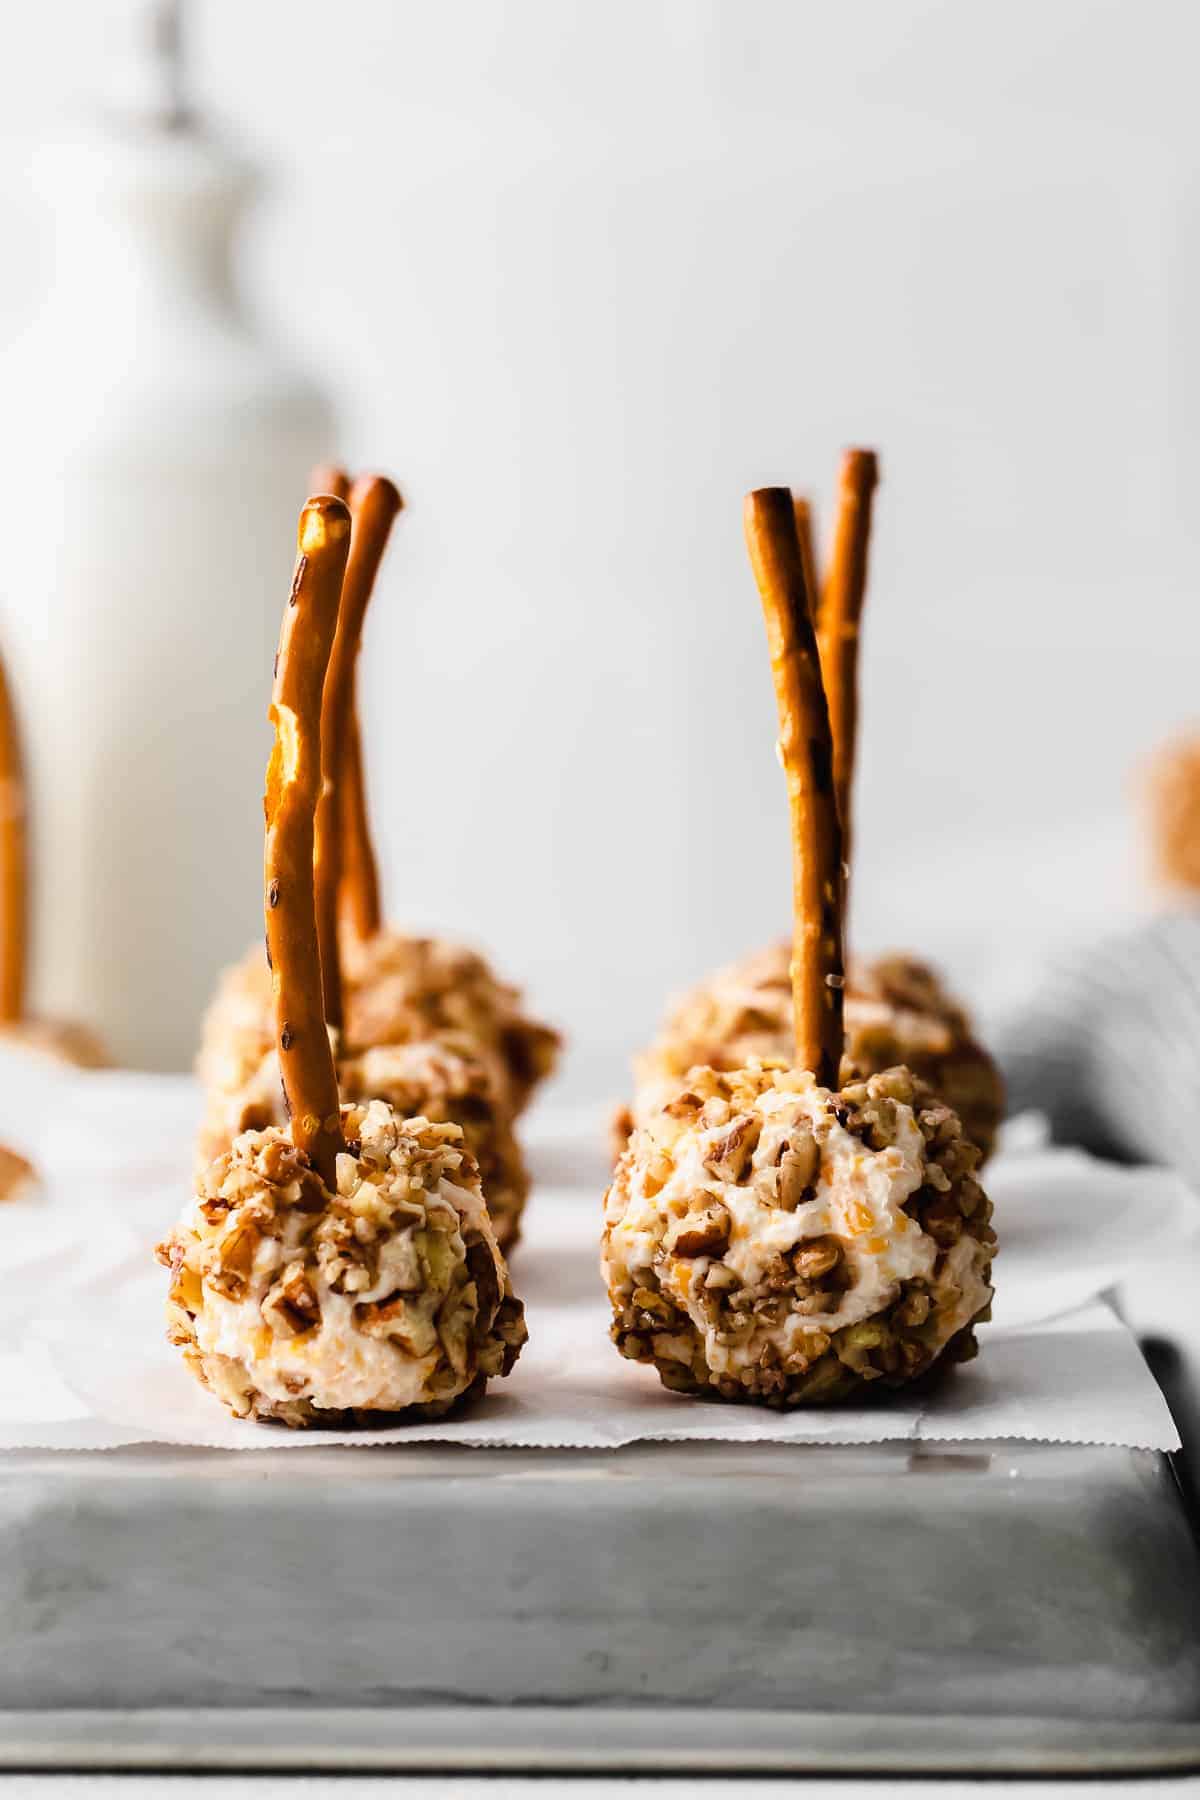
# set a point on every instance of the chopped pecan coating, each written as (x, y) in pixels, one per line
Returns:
(441, 1066)
(312, 1306)
(850, 1246)
(897, 1013)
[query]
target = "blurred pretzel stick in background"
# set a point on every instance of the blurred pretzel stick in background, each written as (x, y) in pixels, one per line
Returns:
(374, 503)
(14, 864)
(806, 531)
(838, 617)
(330, 478)
(359, 907)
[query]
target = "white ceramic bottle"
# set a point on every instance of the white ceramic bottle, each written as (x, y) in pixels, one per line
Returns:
(153, 465)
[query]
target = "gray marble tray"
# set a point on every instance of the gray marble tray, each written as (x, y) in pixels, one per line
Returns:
(999, 1607)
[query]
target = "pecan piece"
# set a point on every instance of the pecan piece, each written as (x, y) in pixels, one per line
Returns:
(481, 1267)
(292, 1306)
(235, 1260)
(393, 1318)
(705, 1233)
(728, 1155)
(943, 1221)
(652, 1308)
(659, 1169)
(683, 1106)
(913, 1309)
(797, 1168)
(455, 1325)
(720, 1276)
(816, 1257)
(186, 1289)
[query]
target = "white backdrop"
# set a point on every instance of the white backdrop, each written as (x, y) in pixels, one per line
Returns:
(579, 275)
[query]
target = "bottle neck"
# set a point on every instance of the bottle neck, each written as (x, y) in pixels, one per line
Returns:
(146, 230)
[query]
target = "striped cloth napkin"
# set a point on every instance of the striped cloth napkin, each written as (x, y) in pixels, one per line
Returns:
(1109, 1047)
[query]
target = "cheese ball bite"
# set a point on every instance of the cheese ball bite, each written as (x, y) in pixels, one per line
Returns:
(18, 1178)
(773, 1234)
(896, 1008)
(341, 1267)
(311, 1305)
(1171, 787)
(896, 1011)
(237, 1030)
(60, 1040)
(769, 1240)
(440, 1079)
(399, 1005)
(398, 988)
(252, 1102)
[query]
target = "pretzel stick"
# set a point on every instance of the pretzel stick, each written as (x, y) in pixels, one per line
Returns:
(14, 868)
(807, 533)
(293, 791)
(359, 900)
(839, 616)
(330, 478)
(359, 908)
(806, 751)
(374, 503)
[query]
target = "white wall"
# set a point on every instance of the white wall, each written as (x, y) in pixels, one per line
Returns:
(582, 274)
